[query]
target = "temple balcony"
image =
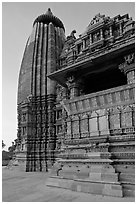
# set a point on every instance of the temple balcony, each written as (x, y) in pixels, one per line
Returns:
(100, 114)
(89, 62)
(118, 96)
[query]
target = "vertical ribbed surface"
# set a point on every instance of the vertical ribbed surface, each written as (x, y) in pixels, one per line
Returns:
(40, 59)
(51, 61)
(44, 61)
(25, 75)
(34, 68)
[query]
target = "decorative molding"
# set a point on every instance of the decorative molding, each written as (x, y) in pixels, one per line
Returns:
(128, 64)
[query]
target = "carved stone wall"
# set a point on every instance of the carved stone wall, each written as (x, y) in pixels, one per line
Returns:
(95, 120)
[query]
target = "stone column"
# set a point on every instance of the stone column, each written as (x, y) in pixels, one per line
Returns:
(73, 87)
(128, 67)
(120, 29)
(90, 39)
(110, 30)
(84, 44)
(101, 34)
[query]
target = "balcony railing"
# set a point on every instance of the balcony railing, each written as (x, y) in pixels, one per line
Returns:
(111, 97)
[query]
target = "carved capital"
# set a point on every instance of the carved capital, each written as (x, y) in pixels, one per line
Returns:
(75, 86)
(128, 64)
(62, 92)
(71, 82)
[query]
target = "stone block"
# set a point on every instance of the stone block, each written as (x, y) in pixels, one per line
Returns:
(59, 182)
(88, 187)
(82, 175)
(102, 168)
(114, 190)
(99, 155)
(109, 177)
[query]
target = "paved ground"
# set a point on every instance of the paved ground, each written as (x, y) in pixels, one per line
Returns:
(19, 186)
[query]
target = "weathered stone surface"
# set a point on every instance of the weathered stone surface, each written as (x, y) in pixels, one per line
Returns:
(84, 127)
(87, 186)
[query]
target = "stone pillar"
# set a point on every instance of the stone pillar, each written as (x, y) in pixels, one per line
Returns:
(84, 44)
(101, 34)
(73, 87)
(110, 31)
(90, 39)
(120, 29)
(128, 67)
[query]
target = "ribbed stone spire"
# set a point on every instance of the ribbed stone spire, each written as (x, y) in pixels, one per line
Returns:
(36, 92)
(41, 54)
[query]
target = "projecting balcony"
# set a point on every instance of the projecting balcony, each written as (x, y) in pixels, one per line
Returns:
(103, 99)
(97, 115)
(88, 61)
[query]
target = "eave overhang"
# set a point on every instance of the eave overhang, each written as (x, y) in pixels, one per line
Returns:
(88, 65)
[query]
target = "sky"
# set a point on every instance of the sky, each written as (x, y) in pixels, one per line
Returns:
(17, 20)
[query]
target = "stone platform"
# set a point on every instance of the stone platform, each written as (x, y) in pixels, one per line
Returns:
(94, 175)
(20, 186)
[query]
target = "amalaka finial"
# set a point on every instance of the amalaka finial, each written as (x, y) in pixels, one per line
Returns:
(49, 12)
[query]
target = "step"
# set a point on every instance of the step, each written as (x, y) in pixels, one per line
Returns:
(113, 189)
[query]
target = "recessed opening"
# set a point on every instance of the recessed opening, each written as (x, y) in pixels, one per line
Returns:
(105, 80)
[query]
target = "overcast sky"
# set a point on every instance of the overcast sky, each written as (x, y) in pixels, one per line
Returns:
(17, 20)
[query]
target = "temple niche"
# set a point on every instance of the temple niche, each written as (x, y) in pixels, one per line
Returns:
(76, 106)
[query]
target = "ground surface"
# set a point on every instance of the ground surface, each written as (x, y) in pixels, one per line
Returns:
(19, 186)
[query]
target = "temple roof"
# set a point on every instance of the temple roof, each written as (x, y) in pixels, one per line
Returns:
(49, 17)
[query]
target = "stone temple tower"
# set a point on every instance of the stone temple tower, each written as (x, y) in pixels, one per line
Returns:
(36, 92)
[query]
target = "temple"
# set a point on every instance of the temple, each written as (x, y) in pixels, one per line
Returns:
(76, 105)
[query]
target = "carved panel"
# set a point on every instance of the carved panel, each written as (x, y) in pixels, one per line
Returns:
(102, 102)
(133, 117)
(75, 127)
(117, 94)
(103, 125)
(84, 125)
(126, 94)
(93, 124)
(109, 98)
(131, 77)
(87, 104)
(73, 107)
(80, 105)
(94, 102)
(126, 117)
(115, 118)
(69, 127)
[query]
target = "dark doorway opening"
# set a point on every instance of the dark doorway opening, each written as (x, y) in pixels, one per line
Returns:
(104, 80)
